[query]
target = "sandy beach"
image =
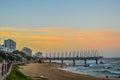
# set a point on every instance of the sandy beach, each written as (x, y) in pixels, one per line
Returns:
(51, 72)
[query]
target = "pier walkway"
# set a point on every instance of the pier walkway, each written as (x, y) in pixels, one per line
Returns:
(83, 55)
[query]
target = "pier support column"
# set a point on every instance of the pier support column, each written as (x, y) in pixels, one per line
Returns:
(96, 61)
(62, 61)
(73, 62)
(50, 60)
(85, 63)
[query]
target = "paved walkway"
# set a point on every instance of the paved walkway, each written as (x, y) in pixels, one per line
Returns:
(0, 70)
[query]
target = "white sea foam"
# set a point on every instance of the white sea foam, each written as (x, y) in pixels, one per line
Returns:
(110, 68)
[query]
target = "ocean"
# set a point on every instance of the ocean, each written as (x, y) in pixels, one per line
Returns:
(107, 68)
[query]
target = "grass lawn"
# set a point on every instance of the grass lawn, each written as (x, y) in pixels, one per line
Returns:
(16, 74)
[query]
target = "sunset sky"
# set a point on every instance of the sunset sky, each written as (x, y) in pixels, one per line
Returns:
(62, 25)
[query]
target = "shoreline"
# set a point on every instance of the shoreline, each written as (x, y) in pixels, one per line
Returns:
(52, 71)
(97, 76)
(114, 77)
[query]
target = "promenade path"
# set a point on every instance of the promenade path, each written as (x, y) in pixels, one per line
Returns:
(0, 70)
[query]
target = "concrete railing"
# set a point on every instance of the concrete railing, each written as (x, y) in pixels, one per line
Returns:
(6, 69)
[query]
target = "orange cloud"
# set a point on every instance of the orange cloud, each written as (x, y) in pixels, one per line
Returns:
(61, 38)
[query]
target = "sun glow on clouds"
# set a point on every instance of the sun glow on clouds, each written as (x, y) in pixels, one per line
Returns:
(65, 39)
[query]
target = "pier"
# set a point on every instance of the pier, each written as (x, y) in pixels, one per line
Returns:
(82, 55)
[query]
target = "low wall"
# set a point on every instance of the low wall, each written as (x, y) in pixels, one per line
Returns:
(7, 73)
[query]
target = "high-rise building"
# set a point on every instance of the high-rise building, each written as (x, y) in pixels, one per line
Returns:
(27, 51)
(10, 44)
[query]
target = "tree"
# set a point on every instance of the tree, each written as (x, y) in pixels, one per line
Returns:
(17, 52)
(2, 54)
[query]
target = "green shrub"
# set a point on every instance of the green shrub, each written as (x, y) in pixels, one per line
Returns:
(1, 59)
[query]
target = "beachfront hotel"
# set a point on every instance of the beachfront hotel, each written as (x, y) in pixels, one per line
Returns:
(38, 54)
(8, 46)
(27, 51)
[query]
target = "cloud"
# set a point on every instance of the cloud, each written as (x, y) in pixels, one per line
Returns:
(61, 38)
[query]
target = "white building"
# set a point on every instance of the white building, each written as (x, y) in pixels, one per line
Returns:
(27, 51)
(38, 54)
(10, 45)
(2, 48)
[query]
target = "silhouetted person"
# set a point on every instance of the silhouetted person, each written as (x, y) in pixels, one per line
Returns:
(107, 77)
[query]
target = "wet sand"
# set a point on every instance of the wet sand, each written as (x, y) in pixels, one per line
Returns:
(50, 71)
